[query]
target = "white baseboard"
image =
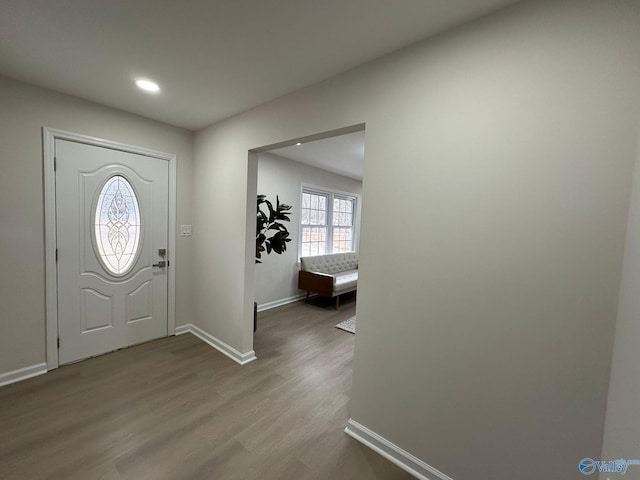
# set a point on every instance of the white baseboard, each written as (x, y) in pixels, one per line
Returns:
(393, 453)
(22, 374)
(278, 303)
(228, 350)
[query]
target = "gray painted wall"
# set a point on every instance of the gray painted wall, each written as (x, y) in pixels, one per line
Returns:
(497, 182)
(622, 427)
(277, 277)
(24, 111)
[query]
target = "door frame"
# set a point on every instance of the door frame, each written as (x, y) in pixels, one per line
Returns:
(49, 137)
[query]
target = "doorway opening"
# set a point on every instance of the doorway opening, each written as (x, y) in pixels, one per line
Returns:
(312, 174)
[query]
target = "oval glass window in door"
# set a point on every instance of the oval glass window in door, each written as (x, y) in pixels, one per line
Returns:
(117, 225)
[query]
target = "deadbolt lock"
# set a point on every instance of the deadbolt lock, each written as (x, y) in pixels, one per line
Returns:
(162, 252)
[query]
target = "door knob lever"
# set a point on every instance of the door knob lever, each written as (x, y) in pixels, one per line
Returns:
(160, 264)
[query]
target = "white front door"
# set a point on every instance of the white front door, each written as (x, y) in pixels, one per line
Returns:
(112, 237)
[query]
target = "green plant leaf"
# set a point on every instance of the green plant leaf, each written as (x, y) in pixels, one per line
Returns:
(271, 222)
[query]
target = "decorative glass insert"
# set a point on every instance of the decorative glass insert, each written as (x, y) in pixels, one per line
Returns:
(117, 225)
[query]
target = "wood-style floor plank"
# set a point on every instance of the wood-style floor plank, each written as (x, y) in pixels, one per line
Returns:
(177, 409)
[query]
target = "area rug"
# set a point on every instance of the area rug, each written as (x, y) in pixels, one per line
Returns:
(348, 325)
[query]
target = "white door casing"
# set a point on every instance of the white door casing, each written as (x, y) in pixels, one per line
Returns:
(91, 308)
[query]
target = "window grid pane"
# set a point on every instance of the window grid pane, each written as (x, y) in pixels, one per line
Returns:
(314, 240)
(313, 218)
(343, 212)
(342, 239)
(314, 210)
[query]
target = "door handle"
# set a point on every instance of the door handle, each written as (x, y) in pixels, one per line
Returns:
(160, 264)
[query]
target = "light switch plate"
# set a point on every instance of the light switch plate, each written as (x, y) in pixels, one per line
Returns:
(185, 230)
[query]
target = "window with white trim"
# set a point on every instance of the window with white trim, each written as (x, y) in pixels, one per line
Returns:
(327, 222)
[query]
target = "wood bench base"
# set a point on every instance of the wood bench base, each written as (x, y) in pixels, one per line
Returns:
(319, 283)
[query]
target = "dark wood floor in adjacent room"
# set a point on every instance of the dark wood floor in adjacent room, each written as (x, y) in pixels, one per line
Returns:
(177, 409)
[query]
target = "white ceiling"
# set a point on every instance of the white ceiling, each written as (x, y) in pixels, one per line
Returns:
(343, 155)
(212, 58)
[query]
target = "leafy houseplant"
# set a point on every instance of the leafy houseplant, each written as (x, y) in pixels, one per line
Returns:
(268, 222)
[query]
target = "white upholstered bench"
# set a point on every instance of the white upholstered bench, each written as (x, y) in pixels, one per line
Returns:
(329, 275)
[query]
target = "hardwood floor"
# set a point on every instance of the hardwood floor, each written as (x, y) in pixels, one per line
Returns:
(177, 409)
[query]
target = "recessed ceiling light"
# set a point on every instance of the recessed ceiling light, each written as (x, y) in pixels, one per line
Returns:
(147, 86)
(298, 144)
